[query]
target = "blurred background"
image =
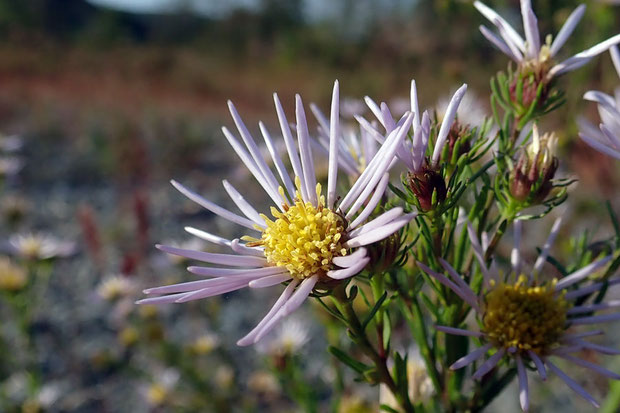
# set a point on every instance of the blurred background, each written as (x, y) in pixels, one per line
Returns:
(103, 101)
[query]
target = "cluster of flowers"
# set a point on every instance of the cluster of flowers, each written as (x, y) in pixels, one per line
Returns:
(314, 241)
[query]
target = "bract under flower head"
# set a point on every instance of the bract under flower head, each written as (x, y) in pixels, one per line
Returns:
(313, 237)
(527, 319)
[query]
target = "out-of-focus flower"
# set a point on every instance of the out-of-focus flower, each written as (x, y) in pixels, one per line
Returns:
(264, 383)
(11, 143)
(420, 385)
(128, 336)
(535, 168)
(116, 287)
(312, 240)
(532, 55)
(224, 377)
(349, 108)
(205, 344)
(159, 392)
(12, 277)
(605, 138)
(290, 336)
(471, 110)
(528, 319)
(39, 246)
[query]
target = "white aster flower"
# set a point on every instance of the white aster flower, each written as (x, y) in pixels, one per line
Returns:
(606, 138)
(311, 240)
(421, 387)
(39, 246)
(529, 320)
(530, 51)
(290, 336)
(115, 287)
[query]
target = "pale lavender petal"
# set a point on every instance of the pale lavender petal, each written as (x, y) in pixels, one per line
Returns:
(167, 299)
(504, 30)
(593, 142)
(530, 27)
(459, 331)
(351, 259)
(211, 292)
(252, 147)
(582, 273)
(594, 307)
(524, 397)
(228, 272)
(374, 108)
(270, 188)
(515, 256)
(450, 284)
(540, 366)
(420, 142)
(591, 366)
(223, 259)
(334, 135)
(572, 336)
(415, 109)
(596, 347)
(277, 160)
(582, 58)
(290, 146)
(243, 205)
(249, 338)
(567, 29)
(350, 271)
(372, 203)
(572, 384)
(499, 43)
(379, 221)
(300, 295)
(216, 209)
(461, 283)
(478, 252)
(199, 285)
(239, 248)
(307, 163)
(381, 232)
(590, 289)
(215, 239)
(388, 120)
(488, 365)
(446, 124)
(492, 16)
(601, 318)
(544, 253)
(615, 57)
(270, 280)
(320, 117)
(471, 357)
(600, 97)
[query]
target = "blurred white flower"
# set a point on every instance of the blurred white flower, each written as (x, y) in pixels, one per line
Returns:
(290, 336)
(38, 246)
(605, 138)
(11, 143)
(420, 384)
(115, 287)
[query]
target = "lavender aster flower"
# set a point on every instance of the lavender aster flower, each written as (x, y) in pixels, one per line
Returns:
(606, 138)
(311, 241)
(530, 51)
(526, 319)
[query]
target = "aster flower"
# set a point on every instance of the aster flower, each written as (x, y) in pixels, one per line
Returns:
(38, 246)
(311, 241)
(530, 52)
(290, 336)
(115, 287)
(606, 138)
(527, 320)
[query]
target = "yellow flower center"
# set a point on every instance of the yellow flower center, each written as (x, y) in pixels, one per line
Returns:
(304, 238)
(524, 317)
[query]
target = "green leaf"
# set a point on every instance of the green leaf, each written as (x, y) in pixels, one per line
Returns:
(374, 310)
(358, 366)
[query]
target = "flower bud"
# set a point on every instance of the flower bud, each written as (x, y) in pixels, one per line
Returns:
(535, 168)
(428, 186)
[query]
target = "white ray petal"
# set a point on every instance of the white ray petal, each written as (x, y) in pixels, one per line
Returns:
(415, 109)
(544, 253)
(601, 318)
(277, 160)
(351, 259)
(379, 221)
(307, 163)
(582, 273)
(374, 108)
(515, 255)
(207, 236)
(243, 205)
(334, 135)
(571, 295)
(380, 233)
(216, 209)
(199, 285)
(459, 331)
(567, 29)
(595, 347)
(499, 43)
(288, 291)
(450, 284)
(596, 144)
(524, 397)
(540, 366)
(372, 204)
(488, 365)
(222, 259)
(593, 307)
(492, 16)
(211, 292)
(591, 366)
(478, 253)
(504, 31)
(530, 27)
(471, 357)
(446, 124)
(615, 57)
(582, 58)
(230, 272)
(350, 271)
(270, 280)
(572, 384)
(461, 283)
(239, 248)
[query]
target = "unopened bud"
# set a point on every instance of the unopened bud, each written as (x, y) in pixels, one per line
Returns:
(428, 186)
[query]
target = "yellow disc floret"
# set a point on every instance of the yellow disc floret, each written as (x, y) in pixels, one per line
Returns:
(304, 238)
(524, 317)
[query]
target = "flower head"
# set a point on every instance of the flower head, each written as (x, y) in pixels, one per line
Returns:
(605, 138)
(115, 287)
(528, 319)
(39, 246)
(311, 240)
(531, 55)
